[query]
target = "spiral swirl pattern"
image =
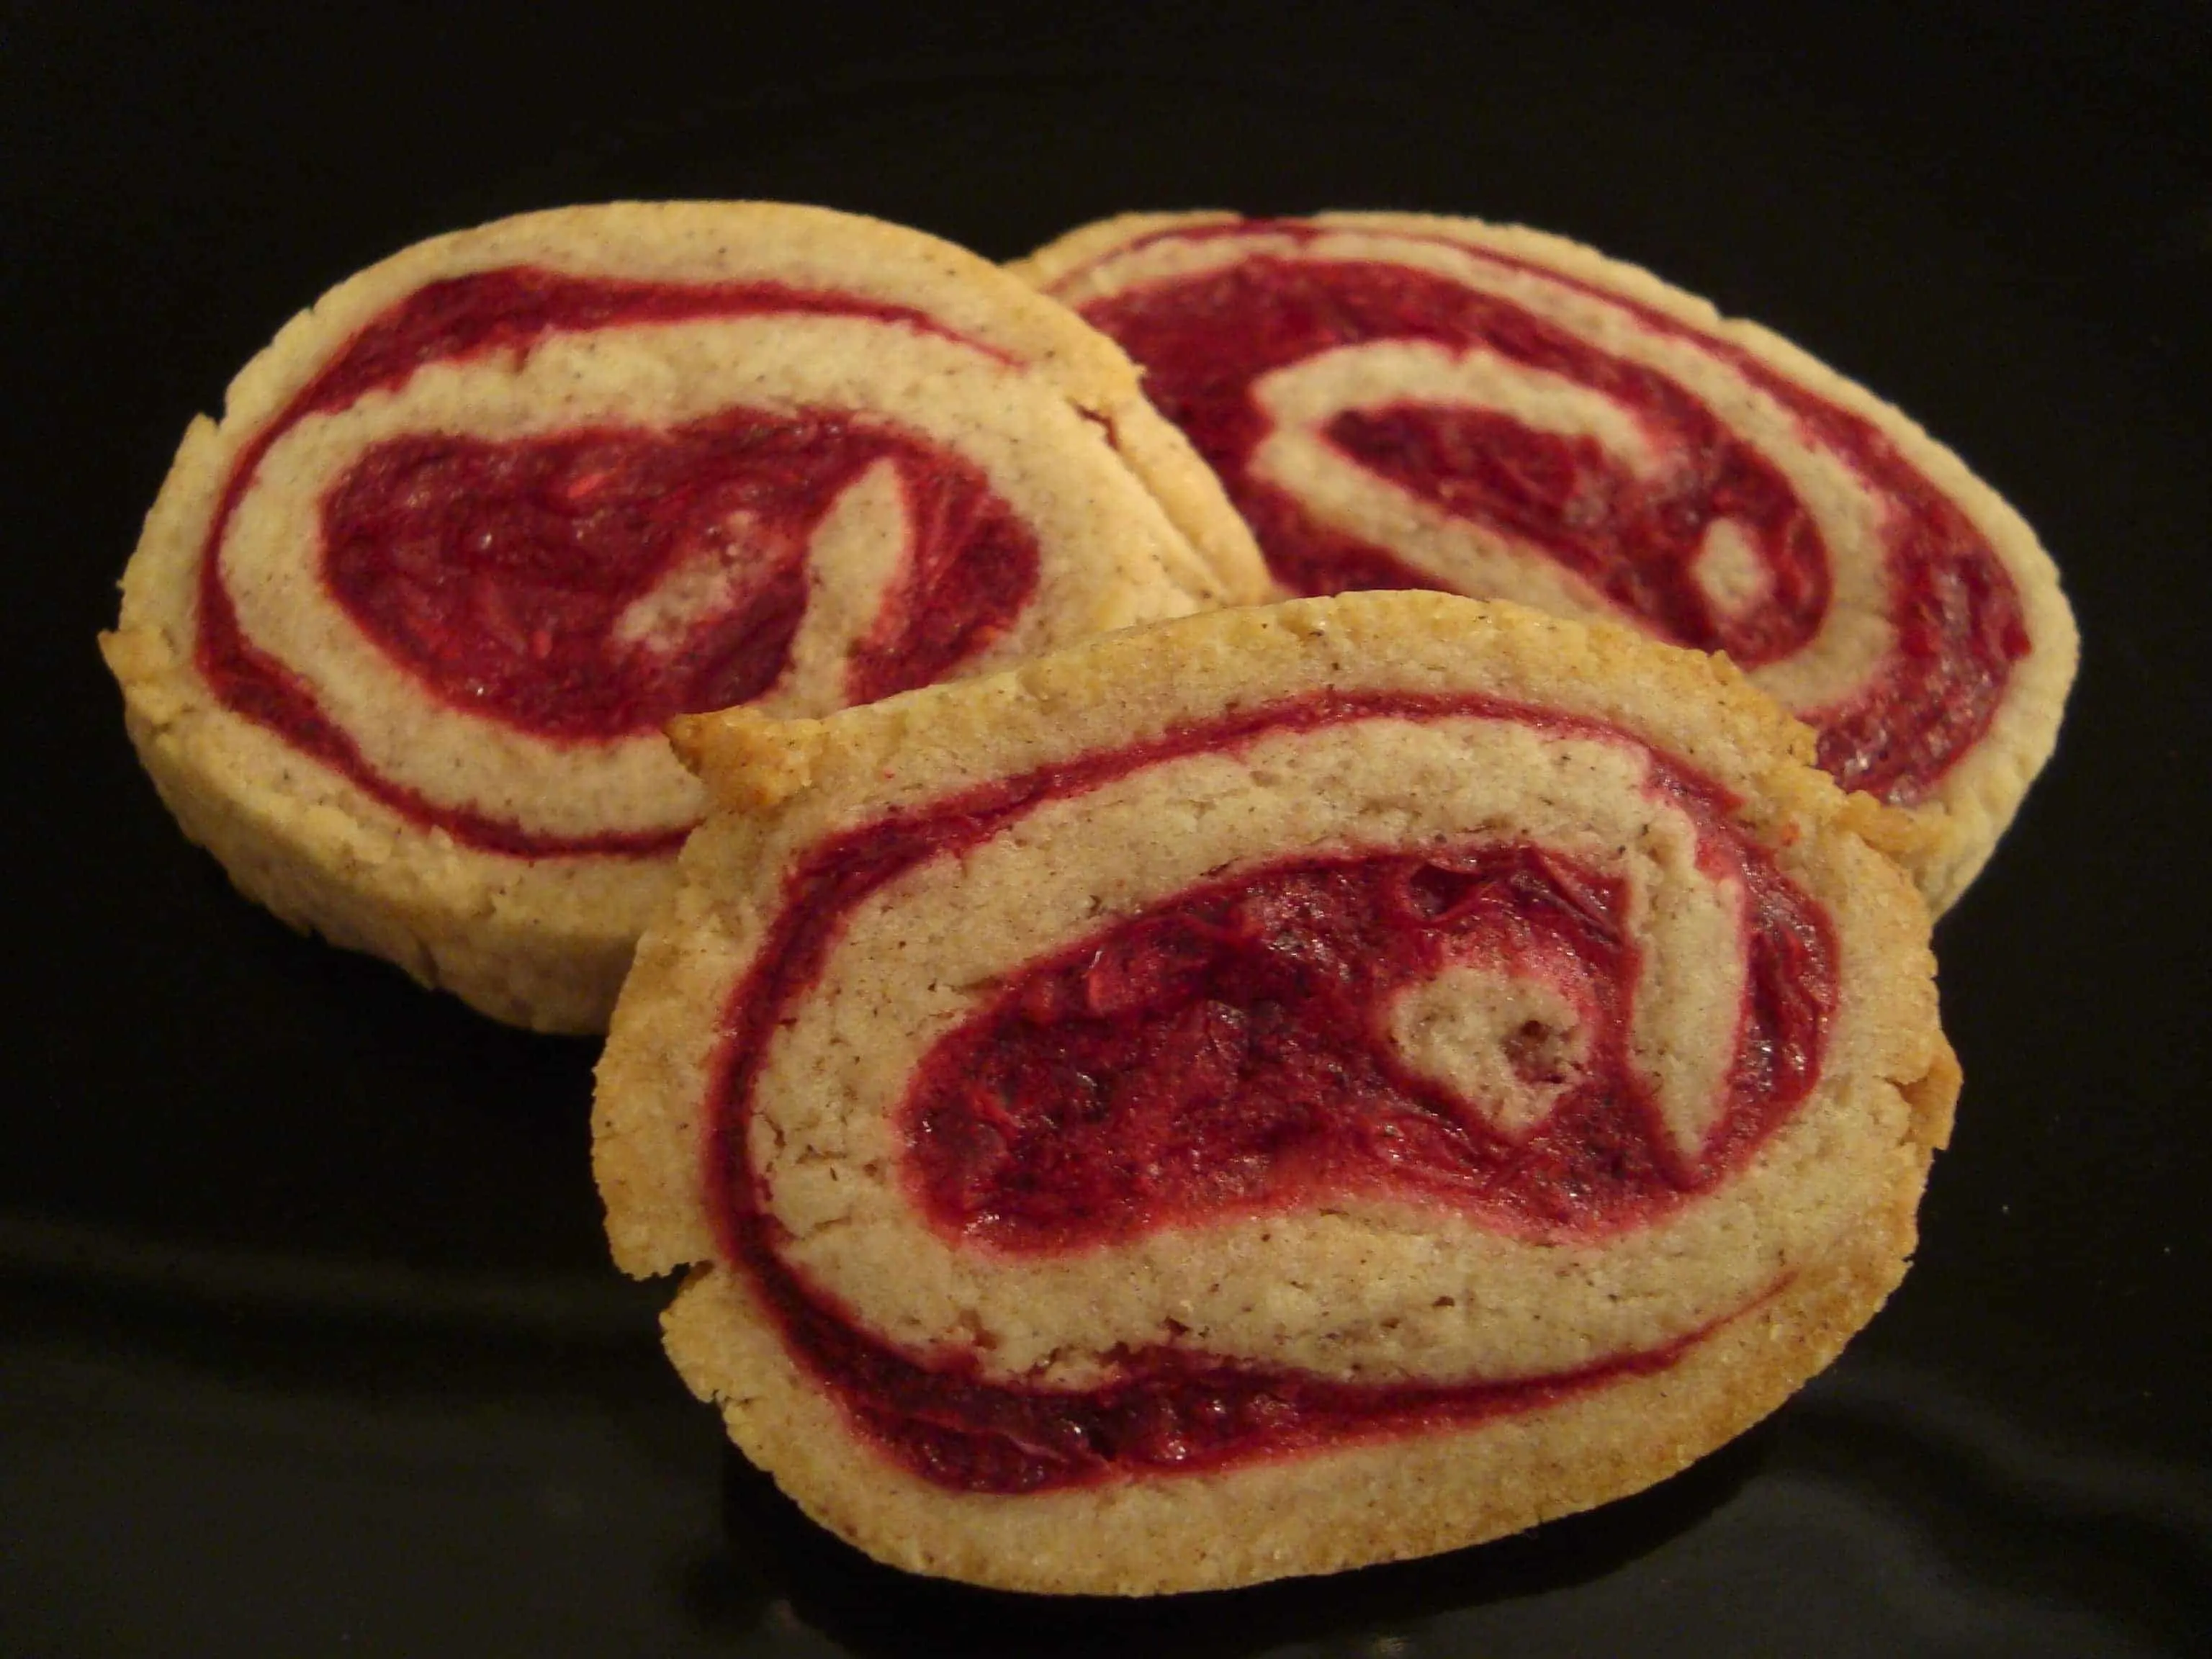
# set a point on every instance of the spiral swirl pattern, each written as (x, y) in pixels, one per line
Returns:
(1400, 402)
(478, 525)
(482, 589)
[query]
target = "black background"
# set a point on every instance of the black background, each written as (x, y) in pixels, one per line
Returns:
(308, 1342)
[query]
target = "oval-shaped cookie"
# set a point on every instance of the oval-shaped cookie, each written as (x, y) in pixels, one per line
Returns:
(403, 628)
(1396, 400)
(1268, 1092)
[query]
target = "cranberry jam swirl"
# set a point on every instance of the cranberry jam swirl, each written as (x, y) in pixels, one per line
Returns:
(581, 583)
(1336, 1061)
(1395, 401)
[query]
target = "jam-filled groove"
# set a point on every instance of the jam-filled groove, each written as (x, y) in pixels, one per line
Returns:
(1956, 617)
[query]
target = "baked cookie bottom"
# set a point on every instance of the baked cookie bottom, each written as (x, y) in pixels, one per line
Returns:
(547, 951)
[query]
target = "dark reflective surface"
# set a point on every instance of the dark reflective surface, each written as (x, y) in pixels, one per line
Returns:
(307, 1341)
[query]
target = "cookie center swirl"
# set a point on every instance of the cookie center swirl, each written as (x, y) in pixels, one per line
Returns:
(1537, 437)
(1456, 1025)
(1714, 551)
(1026, 1212)
(595, 584)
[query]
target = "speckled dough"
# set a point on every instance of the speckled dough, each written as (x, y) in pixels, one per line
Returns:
(1129, 527)
(1957, 823)
(1764, 1276)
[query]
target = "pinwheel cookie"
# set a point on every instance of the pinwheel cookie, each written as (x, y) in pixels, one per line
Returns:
(1402, 401)
(403, 628)
(1272, 1091)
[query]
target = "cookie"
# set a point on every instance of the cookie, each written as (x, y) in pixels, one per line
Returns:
(1401, 401)
(403, 627)
(1268, 1092)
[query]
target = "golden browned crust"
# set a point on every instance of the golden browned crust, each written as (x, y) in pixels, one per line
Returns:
(1883, 1108)
(554, 962)
(1960, 821)
(544, 942)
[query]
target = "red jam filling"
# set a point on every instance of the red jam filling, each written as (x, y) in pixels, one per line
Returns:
(499, 573)
(1172, 1412)
(1204, 340)
(1228, 1051)
(1218, 1054)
